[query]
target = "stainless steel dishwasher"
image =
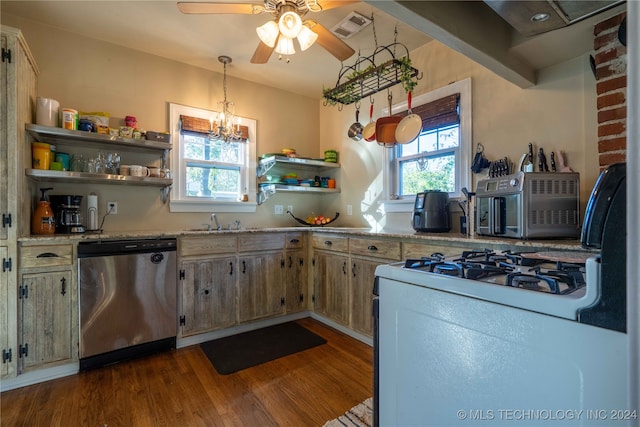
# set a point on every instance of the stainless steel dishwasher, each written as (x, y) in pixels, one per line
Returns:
(128, 292)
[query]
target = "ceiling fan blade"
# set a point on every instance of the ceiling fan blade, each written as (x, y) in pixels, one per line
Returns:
(330, 41)
(262, 54)
(239, 8)
(326, 5)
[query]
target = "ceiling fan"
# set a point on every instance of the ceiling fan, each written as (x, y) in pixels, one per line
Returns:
(279, 34)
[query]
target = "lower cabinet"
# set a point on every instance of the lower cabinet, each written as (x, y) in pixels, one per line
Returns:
(208, 294)
(362, 276)
(331, 286)
(295, 281)
(47, 307)
(7, 318)
(260, 286)
(45, 312)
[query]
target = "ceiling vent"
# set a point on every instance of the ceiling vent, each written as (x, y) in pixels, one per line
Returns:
(352, 24)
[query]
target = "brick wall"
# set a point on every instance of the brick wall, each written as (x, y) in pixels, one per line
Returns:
(611, 85)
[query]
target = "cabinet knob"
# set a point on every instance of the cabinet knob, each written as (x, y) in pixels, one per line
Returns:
(294, 241)
(372, 248)
(328, 242)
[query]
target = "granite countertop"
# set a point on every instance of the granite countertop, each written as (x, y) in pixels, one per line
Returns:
(417, 237)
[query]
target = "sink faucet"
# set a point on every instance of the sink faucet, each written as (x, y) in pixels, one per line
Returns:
(215, 219)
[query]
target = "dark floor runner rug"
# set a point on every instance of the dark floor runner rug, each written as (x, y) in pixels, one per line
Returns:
(237, 352)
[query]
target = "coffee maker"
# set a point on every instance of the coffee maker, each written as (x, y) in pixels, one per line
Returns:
(67, 213)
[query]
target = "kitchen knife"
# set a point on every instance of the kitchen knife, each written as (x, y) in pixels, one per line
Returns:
(542, 161)
(531, 153)
(553, 162)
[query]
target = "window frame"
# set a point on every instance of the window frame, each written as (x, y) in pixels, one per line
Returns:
(178, 200)
(393, 203)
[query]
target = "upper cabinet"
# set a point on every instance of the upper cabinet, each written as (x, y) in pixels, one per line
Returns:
(294, 174)
(70, 139)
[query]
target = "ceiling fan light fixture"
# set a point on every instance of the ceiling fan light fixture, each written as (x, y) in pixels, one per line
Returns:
(306, 38)
(268, 33)
(285, 46)
(290, 24)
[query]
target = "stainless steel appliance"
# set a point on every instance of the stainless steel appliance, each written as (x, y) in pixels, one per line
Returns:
(431, 212)
(67, 213)
(500, 337)
(128, 292)
(528, 205)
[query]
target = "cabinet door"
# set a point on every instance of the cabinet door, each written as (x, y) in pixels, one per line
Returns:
(260, 286)
(4, 317)
(331, 286)
(295, 281)
(208, 294)
(362, 276)
(45, 318)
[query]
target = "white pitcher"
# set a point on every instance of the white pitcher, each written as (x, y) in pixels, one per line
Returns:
(47, 112)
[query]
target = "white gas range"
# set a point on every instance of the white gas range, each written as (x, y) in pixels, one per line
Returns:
(501, 339)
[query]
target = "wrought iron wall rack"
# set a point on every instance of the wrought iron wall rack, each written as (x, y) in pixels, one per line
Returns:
(365, 78)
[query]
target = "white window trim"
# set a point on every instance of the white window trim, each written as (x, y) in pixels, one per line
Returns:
(405, 204)
(178, 205)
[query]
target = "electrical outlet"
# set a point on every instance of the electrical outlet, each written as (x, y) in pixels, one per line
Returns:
(349, 210)
(290, 208)
(279, 210)
(112, 208)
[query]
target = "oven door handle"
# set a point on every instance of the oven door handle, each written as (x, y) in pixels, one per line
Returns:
(498, 223)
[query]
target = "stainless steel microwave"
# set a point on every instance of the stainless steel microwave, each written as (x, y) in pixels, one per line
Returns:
(528, 205)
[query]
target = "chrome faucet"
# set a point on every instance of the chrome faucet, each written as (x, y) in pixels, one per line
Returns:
(215, 219)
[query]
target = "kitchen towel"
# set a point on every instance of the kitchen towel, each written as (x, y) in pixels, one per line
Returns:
(241, 351)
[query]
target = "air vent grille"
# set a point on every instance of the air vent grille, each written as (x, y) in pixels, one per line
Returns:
(352, 24)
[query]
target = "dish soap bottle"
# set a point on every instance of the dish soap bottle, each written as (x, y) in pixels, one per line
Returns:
(43, 220)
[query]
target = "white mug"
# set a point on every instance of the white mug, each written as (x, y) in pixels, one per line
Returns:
(137, 170)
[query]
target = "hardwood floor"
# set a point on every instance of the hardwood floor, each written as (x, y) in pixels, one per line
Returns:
(181, 388)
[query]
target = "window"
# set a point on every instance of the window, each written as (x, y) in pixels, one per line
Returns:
(439, 159)
(210, 175)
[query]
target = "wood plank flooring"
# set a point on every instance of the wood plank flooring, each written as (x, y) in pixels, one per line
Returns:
(182, 388)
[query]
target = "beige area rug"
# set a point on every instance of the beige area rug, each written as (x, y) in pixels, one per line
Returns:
(360, 415)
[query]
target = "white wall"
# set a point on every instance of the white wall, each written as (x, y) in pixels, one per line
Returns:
(558, 113)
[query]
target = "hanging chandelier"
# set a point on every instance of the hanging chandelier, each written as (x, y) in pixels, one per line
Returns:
(226, 127)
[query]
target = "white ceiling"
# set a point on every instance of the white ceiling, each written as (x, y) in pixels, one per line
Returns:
(159, 28)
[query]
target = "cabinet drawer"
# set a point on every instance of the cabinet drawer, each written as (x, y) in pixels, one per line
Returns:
(207, 245)
(294, 240)
(260, 242)
(45, 256)
(377, 248)
(417, 250)
(329, 242)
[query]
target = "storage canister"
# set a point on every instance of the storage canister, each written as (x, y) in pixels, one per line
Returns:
(70, 118)
(40, 155)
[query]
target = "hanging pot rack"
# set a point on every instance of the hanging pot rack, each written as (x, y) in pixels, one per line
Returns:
(365, 77)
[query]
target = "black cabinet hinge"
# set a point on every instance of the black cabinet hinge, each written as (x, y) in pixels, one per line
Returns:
(282, 301)
(7, 356)
(23, 350)
(6, 264)
(6, 220)
(6, 55)
(313, 298)
(23, 292)
(282, 263)
(183, 320)
(301, 297)
(182, 274)
(301, 261)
